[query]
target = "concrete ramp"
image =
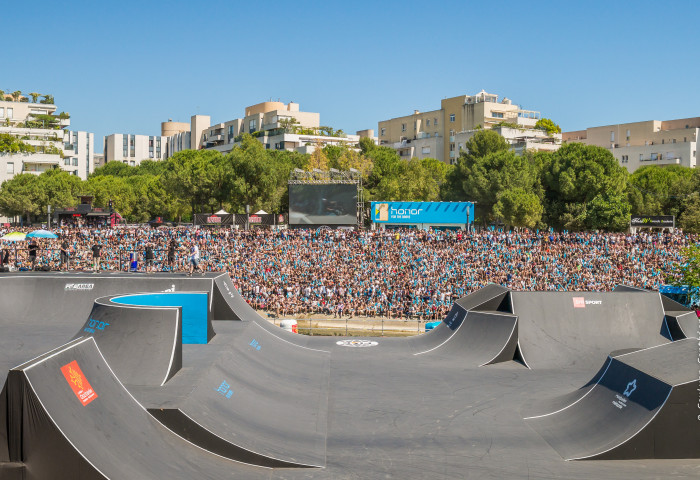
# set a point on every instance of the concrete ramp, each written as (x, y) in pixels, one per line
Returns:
(264, 401)
(69, 417)
(143, 345)
(574, 329)
(643, 405)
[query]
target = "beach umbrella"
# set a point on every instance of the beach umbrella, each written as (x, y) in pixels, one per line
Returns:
(41, 234)
(14, 237)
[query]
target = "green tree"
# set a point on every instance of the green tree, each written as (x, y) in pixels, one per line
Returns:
(34, 96)
(484, 142)
(689, 220)
(16, 95)
(60, 188)
(189, 175)
(656, 190)
(48, 99)
(253, 176)
(518, 208)
(22, 195)
(105, 188)
(687, 271)
(578, 181)
(485, 178)
(548, 126)
(318, 160)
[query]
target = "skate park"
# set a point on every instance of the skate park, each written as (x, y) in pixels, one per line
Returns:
(169, 376)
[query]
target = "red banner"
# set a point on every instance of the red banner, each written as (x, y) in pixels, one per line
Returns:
(77, 381)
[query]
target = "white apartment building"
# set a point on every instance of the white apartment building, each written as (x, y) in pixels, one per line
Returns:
(55, 146)
(276, 125)
(132, 149)
(653, 142)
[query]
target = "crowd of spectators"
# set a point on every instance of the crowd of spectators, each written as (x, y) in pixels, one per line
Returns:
(393, 273)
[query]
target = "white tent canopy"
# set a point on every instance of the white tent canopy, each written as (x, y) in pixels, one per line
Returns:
(261, 212)
(221, 212)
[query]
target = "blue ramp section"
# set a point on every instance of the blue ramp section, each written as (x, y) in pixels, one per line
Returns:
(195, 311)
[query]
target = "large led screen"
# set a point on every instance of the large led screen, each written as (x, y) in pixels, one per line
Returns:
(334, 204)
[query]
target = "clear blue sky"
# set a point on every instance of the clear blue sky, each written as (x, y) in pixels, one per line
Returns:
(124, 67)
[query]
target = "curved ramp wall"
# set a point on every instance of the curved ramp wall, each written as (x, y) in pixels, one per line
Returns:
(142, 344)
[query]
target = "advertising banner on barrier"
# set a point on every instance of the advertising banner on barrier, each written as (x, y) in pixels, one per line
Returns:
(443, 213)
(653, 221)
(213, 219)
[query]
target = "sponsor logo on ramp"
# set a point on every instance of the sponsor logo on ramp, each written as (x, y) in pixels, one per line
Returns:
(225, 389)
(78, 287)
(357, 343)
(77, 381)
(631, 387)
(579, 302)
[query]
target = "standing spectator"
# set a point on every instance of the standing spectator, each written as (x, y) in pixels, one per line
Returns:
(33, 247)
(96, 248)
(149, 257)
(64, 262)
(172, 249)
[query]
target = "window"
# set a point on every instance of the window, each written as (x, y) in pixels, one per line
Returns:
(426, 150)
(125, 152)
(2, 112)
(10, 112)
(132, 141)
(612, 136)
(252, 125)
(427, 122)
(435, 122)
(126, 140)
(436, 134)
(497, 114)
(403, 127)
(663, 141)
(628, 134)
(75, 161)
(452, 117)
(383, 131)
(132, 163)
(641, 157)
(415, 124)
(66, 161)
(654, 157)
(75, 172)
(693, 153)
(673, 141)
(10, 168)
(452, 147)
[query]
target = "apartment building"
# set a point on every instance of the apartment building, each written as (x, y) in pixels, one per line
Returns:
(37, 124)
(442, 133)
(276, 125)
(132, 149)
(653, 142)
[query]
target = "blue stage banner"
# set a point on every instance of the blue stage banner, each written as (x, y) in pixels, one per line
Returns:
(423, 212)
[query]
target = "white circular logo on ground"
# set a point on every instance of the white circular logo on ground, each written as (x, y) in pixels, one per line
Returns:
(357, 343)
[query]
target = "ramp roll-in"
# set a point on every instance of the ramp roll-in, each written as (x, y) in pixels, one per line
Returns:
(69, 417)
(143, 345)
(643, 405)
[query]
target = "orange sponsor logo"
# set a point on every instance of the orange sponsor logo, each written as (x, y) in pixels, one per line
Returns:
(77, 381)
